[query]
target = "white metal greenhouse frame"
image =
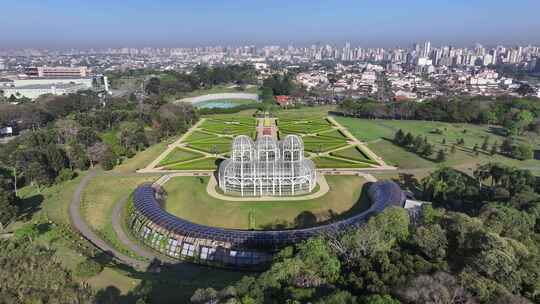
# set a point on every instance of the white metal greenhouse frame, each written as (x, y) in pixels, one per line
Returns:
(267, 167)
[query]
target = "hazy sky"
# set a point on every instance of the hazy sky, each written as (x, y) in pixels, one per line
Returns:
(169, 23)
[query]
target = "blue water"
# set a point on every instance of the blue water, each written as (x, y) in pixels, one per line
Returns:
(214, 104)
(221, 104)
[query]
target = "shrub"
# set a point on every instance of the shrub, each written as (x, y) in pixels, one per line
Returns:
(88, 269)
(522, 152)
(65, 175)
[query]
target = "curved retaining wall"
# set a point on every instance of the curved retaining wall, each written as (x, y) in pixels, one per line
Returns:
(184, 240)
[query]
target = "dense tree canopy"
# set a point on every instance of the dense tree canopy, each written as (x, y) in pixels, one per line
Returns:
(31, 274)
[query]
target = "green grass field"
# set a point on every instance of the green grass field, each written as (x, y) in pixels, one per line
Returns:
(179, 155)
(353, 153)
(198, 135)
(333, 134)
(188, 199)
(379, 133)
(209, 163)
(319, 144)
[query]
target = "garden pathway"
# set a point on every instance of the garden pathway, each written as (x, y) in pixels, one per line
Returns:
(79, 224)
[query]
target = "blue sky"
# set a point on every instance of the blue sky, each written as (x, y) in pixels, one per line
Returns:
(168, 23)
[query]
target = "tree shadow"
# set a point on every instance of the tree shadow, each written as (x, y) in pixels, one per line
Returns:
(305, 219)
(536, 154)
(362, 204)
(29, 206)
(500, 131)
(164, 282)
(278, 224)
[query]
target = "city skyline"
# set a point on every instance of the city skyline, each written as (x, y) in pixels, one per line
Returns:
(98, 24)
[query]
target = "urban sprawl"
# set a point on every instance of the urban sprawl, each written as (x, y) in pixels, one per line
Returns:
(417, 73)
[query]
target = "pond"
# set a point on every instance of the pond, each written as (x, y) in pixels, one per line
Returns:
(222, 103)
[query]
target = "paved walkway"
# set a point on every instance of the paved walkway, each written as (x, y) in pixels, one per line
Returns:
(87, 233)
(323, 189)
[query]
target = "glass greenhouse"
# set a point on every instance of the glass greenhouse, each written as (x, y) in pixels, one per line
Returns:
(267, 167)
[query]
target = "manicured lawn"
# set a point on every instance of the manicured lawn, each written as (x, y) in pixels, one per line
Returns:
(304, 112)
(212, 147)
(225, 128)
(322, 144)
(198, 135)
(372, 129)
(244, 118)
(397, 156)
(304, 128)
(378, 133)
(353, 153)
(333, 134)
(187, 198)
(179, 155)
(330, 162)
(210, 163)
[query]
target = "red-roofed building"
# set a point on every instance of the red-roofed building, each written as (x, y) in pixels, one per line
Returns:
(283, 100)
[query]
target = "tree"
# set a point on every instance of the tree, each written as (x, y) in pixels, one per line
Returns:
(441, 156)
(418, 144)
(485, 144)
(44, 281)
(525, 89)
(520, 122)
(96, 152)
(408, 140)
(339, 297)
(427, 150)
(153, 86)
(399, 137)
(507, 145)
(440, 288)
(431, 241)
(8, 207)
(522, 152)
(88, 268)
(378, 299)
(494, 149)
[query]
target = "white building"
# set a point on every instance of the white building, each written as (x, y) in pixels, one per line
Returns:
(34, 87)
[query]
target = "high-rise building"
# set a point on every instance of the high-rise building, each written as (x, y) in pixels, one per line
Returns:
(427, 49)
(537, 66)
